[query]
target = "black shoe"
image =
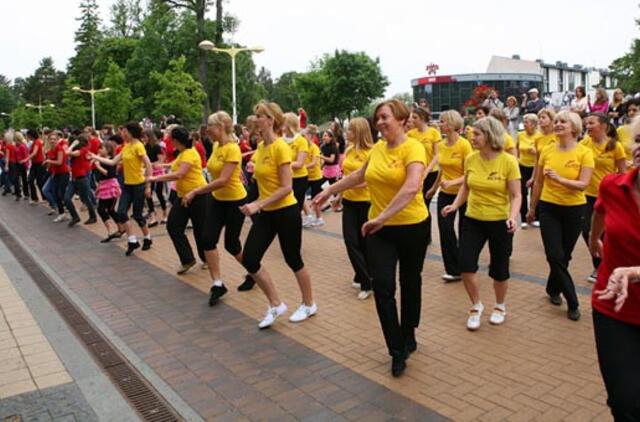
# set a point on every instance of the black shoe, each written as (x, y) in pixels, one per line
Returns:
(74, 221)
(216, 293)
(91, 220)
(398, 363)
(106, 239)
(573, 314)
(132, 246)
(117, 235)
(555, 300)
(146, 244)
(247, 284)
(186, 267)
(410, 340)
(151, 225)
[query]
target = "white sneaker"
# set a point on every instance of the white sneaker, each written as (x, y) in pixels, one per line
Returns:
(355, 285)
(593, 277)
(272, 315)
(475, 313)
(317, 222)
(307, 221)
(60, 218)
(303, 312)
(449, 277)
(498, 315)
(524, 226)
(363, 295)
(535, 223)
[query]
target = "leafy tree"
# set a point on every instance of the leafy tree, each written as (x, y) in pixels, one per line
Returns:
(178, 93)
(46, 84)
(312, 87)
(73, 109)
(626, 69)
(23, 117)
(265, 79)
(87, 38)
(7, 97)
(126, 17)
(115, 105)
(113, 49)
(285, 91)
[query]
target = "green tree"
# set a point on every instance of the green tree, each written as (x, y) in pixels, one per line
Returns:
(115, 105)
(7, 96)
(126, 17)
(113, 49)
(626, 69)
(312, 87)
(23, 117)
(45, 85)
(73, 109)
(88, 38)
(265, 79)
(285, 91)
(178, 93)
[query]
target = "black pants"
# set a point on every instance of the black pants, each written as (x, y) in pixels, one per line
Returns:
(560, 228)
(407, 246)
(132, 196)
(354, 215)
(618, 345)
(300, 185)
(586, 227)
(316, 187)
(158, 188)
(61, 182)
(426, 185)
(225, 214)
(19, 177)
(37, 177)
(107, 208)
(526, 173)
(287, 225)
(448, 239)
(179, 216)
(474, 235)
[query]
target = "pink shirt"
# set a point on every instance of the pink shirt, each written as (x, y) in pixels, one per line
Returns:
(599, 108)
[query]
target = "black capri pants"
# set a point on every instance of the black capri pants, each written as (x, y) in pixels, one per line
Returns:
(300, 185)
(132, 196)
(475, 234)
(316, 187)
(177, 221)
(287, 225)
(225, 214)
(107, 208)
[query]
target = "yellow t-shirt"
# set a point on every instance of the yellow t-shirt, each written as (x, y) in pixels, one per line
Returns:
(624, 136)
(605, 162)
(509, 144)
(451, 161)
(132, 164)
(525, 143)
(428, 139)
(385, 175)
(568, 164)
(315, 173)
(354, 159)
(544, 141)
(298, 145)
(221, 155)
(488, 185)
(268, 159)
(194, 178)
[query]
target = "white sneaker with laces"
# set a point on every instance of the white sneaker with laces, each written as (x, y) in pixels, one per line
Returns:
(524, 225)
(307, 221)
(317, 222)
(498, 315)
(303, 312)
(475, 313)
(272, 315)
(363, 295)
(535, 223)
(60, 217)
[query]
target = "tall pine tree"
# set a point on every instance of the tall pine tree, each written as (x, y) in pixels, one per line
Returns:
(87, 38)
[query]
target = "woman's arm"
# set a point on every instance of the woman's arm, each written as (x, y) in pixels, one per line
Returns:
(313, 162)
(100, 168)
(515, 196)
(182, 170)
(597, 229)
(355, 179)
(107, 161)
(446, 184)
(331, 158)
(432, 191)
(284, 175)
(59, 159)
(535, 195)
(299, 162)
(218, 183)
(36, 148)
(461, 198)
(580, 184)
(433, 161)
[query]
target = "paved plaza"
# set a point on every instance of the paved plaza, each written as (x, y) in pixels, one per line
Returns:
(214, 363)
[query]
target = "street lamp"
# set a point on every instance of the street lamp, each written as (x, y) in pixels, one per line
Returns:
(40, 106)
(91, 92)
(232, 52)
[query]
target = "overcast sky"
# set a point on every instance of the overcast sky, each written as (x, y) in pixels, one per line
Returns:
(459, 35)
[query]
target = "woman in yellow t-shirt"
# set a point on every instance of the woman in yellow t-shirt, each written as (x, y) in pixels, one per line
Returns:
(624, 132)
(299, 152)
(136, 166)
(452, 153)
(526, 146)
(186, 171)
(609, 158)
(313, 164)
(491, 190)
(396, 230)
(509, 143)
(276, 213)
(227, 195)
(564, 171)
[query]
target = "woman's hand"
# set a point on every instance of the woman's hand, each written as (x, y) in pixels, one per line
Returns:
(371, 226)
(250, 209)
(551, 174)
(321, 198)
(512, 226)
(150, 179)
(530, 182)
(595, 247)
(617, 287)
(448, 210)
(532, 151)
(429, 194)
(147, 191)
(531, 216)
(186, 200)
(91, 156)
(446, 184)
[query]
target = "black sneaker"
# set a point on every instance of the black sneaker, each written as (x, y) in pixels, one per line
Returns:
(555, 300)
(573, 314)
(132, 246)
(216, 293)
(106, 239)
(74, 221)
(398, 363)
(247, 284)
(146, 244)
(91, 220)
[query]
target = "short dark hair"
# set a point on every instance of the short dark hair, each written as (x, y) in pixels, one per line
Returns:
(134, 129)
(485, 109)
(32, 133)
(181, 134)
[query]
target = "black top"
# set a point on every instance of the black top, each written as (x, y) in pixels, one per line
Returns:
(153, 152)
(329, 149)
(111, 173)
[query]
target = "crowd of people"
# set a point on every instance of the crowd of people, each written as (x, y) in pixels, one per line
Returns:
(569, 173)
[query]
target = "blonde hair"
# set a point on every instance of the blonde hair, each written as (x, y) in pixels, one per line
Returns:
(222, 119)
(453, 119)
(9, 136)
(399, 110)
(512, 98)
(531, 117)
(169, 129)
(312, 129)
(361, 133)
(549, 113)
(291, 122)
(573, 118)
(601, 95)
(273, 111)
(499, 115)
(19, 137)
(493, 130)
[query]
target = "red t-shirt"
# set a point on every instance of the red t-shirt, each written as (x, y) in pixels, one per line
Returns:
(245, 146)
(94, 146)
(11, 151)
(64, 167)
(39, 157)
(51, 155)
(621, 242)
(22, 152)
(116, 152)
(168, 149)
(80, 165)
(303, 119)
(203, 154)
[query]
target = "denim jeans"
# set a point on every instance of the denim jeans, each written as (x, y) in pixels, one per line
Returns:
(81, 186)
(49, 191)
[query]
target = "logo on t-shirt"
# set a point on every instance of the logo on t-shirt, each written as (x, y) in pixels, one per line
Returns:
(395, 163)
(572, 164)
(495, 176)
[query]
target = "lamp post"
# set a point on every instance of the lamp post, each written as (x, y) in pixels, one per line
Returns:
(232, 52)
(92, 92)
(40, 106)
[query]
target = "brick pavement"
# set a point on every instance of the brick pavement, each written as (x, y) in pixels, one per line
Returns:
(538, 366)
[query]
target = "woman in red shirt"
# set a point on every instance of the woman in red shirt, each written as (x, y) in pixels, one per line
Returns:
(80, 170)
(59, 173)
(21, 165)
(37, 172)
(616, 294)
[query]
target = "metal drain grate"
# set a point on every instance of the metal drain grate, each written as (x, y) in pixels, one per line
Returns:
(145, 400)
